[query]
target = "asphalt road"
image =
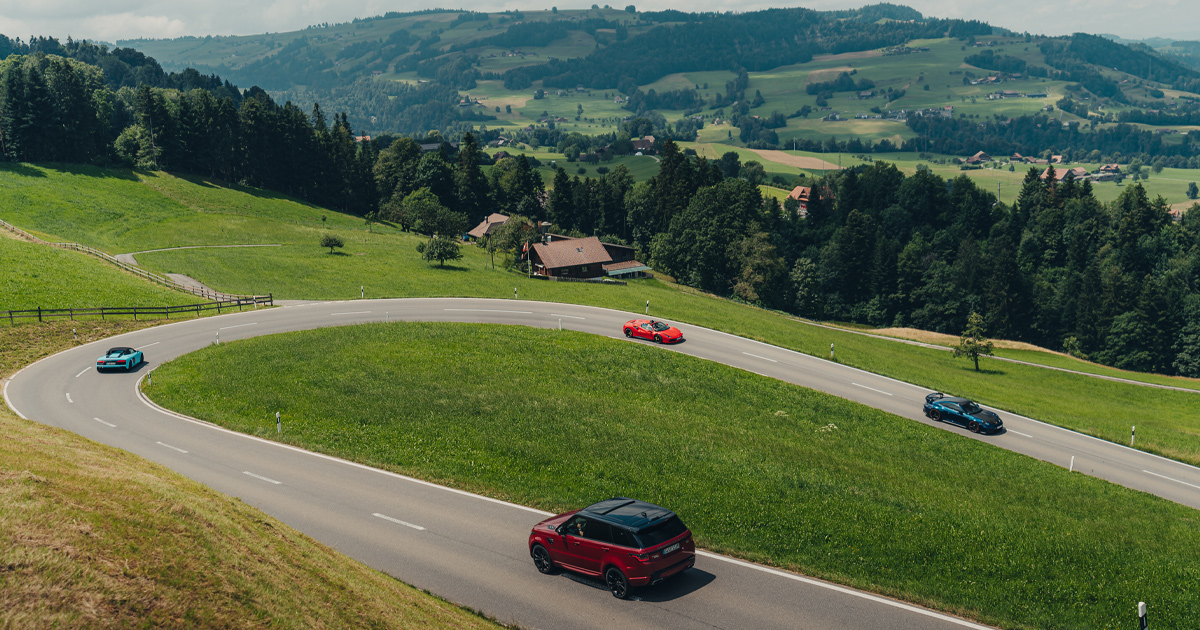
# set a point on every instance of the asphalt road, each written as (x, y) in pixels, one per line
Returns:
(472, 549)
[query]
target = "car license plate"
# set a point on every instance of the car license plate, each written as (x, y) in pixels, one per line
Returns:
(671, 549)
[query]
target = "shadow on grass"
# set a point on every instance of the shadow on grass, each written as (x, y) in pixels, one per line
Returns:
(449, 268)
(338, 254)
(23, 170)
(91, 171)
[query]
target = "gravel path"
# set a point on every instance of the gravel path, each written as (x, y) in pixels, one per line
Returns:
(130, 260)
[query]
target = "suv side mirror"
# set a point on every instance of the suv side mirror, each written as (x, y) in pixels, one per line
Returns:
(561, 529)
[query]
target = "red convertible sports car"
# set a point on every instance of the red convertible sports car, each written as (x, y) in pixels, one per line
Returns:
(659, 332)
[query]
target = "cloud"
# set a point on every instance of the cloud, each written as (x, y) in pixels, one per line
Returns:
(114, 26)
(121, 19)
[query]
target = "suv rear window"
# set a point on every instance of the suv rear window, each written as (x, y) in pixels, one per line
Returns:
(660, 533)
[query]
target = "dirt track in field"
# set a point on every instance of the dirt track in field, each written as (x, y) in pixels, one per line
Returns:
(798, 161)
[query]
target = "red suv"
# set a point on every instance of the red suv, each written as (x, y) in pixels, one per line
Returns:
(631, 543)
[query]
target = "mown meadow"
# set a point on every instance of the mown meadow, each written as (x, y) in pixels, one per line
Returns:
(94, 537)
(760, 469)
(383, 262)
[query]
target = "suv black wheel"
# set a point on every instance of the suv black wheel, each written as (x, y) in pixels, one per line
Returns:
(541, 560)
(618, 585)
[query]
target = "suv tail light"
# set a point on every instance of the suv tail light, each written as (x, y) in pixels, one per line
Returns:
(641, 557)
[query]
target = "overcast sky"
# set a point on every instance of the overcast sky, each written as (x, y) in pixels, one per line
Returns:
(110, 20)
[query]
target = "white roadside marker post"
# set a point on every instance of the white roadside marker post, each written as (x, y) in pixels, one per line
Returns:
(515, 293)
(560, 323)
(647, 307)
(218, 336)
(1132, 434)
(1142, 616)
(1072, 468)
(278, 423)
(361, 294)
(76, 336)
(831, 352)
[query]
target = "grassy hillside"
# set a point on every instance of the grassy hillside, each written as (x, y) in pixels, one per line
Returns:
(758, 468)
(93, 537)
(40, 276)
(385, 264)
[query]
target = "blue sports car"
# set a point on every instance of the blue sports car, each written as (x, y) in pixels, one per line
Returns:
(124, 358)
(962, 412)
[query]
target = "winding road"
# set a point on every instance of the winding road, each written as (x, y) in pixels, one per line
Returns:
(472, 549)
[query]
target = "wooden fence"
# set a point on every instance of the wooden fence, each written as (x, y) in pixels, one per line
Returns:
(209, 294)
(44, 314)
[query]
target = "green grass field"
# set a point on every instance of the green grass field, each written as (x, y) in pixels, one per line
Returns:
(42, 276)
(765, 470)
(386, 264)
(94, 537)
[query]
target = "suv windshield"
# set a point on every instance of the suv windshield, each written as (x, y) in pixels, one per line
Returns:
(660, 533)
(659, 326)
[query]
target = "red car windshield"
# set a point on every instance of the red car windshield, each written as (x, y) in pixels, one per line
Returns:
(659, 326)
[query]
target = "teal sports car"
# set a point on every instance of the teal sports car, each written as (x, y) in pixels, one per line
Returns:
(120, 358)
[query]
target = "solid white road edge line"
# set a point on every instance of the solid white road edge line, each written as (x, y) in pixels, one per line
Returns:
(83, 372)
(148, 345)
(487, 310)
(266, 479)
(925, 389)
(151, 404)
(107, 424)
(708, 554)
(872, 389)
(353, 313)
(847, 591)
(238, 326)
(173, 448)
(1170, 479)
(398, 521)
(758, 357)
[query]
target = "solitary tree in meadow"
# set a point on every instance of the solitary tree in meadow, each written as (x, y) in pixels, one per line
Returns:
(331, 241)
(441, 249)
(1192, 190)
(973, 342)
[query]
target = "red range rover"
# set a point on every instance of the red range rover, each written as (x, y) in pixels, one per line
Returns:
(630, 543)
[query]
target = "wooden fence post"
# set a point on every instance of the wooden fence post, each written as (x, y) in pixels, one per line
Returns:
(39, 313)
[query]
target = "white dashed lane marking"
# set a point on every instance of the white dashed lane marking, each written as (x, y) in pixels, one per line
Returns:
(353, 313)
(83, 372)
(238, 326)
(758, 357)
(1019, 433)
(1170, 479)
(173, 448)
(398, 521)
(69, 398)
(107, 424)
(872, 389)
(266, 479)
